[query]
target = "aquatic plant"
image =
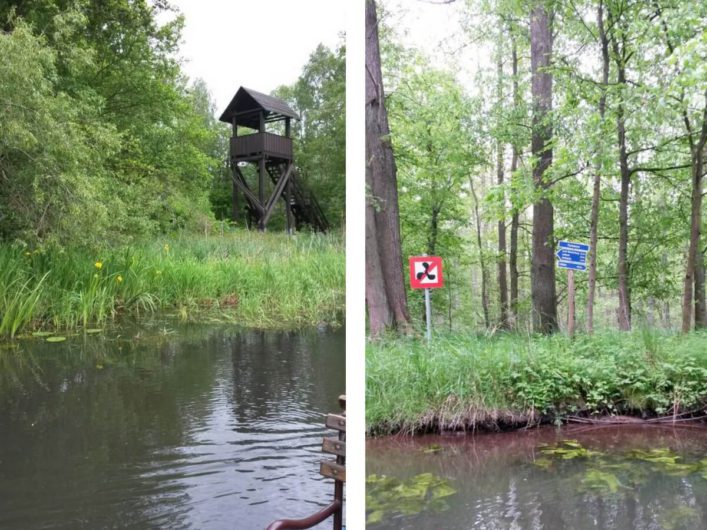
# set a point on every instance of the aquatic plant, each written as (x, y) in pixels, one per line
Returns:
(568, 450)
(596, 479)
(389, 496)
(608, 472)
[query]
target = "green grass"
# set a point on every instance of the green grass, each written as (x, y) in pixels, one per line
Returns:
(468, 382)
(253, 279)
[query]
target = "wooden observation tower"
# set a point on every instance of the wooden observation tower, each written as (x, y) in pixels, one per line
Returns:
(270, 155)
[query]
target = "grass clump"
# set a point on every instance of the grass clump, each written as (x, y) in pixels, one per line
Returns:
(253, 279)
(469, 382)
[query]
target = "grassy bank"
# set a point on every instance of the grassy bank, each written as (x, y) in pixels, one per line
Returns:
(468, 382)
(253, 279)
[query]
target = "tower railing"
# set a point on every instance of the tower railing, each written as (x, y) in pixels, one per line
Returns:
(261, 143)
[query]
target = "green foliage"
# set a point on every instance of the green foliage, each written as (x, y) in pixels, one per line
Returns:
(52, 147)
(261, 280)
(435, 149)
(101, 138)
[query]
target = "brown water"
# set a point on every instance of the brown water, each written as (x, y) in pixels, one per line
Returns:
(176, 427)
(625, 478)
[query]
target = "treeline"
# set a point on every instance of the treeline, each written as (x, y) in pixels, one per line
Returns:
(589, 123)
(102, 137)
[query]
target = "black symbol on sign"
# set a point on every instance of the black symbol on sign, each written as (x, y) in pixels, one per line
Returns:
(426, 273)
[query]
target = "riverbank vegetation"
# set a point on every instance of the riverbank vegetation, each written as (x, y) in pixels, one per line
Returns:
(250, 278)
(508, 381)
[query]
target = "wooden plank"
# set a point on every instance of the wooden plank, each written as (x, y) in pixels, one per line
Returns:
(336, 421)
(281, 183)
(239, 180)
(334, 446)
(329, 468)
(342, 401)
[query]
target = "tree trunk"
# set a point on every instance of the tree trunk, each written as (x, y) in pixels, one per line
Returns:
(513, 254)
(380, 316)
(543, 267)
(434, 230)
(624, 313)
(694, 268)
(693, 249)
(694, 274)
(596, 192)
(482, 261)
(502, 277)
(700, 306)
(382, 204)
(624, 310)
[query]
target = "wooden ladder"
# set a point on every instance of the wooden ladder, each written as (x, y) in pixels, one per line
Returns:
(334, 468)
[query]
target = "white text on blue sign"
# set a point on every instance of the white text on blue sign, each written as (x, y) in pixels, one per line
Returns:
(572, 245)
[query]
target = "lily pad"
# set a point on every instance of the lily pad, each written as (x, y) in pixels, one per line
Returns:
(56, 339)
(93, 331)
(42, 333)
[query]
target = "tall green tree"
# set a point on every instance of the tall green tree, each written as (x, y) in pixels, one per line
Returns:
(134, 135)
(319, 97)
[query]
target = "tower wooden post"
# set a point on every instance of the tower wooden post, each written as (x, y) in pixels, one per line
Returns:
(234, 194)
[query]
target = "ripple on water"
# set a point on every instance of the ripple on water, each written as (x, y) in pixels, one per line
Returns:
(179, 433)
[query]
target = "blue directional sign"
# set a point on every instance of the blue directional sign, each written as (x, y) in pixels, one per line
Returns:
(572, 265)
(571, 245)
(571, 255)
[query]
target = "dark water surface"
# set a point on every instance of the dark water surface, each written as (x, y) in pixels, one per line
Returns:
(609, 478)
(199, 427)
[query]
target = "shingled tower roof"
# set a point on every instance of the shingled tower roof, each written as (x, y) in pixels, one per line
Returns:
(247, 103)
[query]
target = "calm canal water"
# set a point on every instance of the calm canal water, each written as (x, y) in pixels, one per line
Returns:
(627, 478)
(176, 427)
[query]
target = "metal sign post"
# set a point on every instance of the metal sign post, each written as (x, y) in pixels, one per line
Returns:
(428, 315)
(570, 302)
(426, 273)
(573, 257)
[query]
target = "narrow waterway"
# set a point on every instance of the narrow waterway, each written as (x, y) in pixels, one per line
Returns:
(168, 426)
(579, 478)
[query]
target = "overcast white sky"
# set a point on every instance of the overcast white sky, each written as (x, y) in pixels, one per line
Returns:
(437, 30)
(221, 36)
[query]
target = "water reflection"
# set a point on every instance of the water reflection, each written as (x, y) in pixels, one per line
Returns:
(202, 427)
(501, 481)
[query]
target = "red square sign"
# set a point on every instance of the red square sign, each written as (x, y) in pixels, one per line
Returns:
(426, 272)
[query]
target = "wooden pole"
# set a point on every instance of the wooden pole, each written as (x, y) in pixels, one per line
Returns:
(288, 213)
(570, 303)
(234, 195)
(261, 175)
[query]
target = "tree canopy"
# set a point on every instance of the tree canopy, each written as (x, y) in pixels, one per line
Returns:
(595, 112)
